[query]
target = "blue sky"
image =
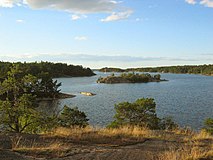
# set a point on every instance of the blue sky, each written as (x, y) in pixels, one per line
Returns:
(99, 33)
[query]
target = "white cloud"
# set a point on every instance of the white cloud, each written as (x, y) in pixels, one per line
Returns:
(75, 17)
(8, 3)
(191, 1)
(75, 6)
(81, 38)
(116, 16)
(207, 3)
(20, 21)
(116, 2)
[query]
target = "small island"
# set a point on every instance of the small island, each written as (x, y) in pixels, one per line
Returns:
(130, 78)
(106, 69)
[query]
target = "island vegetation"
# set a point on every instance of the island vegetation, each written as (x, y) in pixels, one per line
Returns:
(106, 69)
(130, 78)
(187, 69)
(55, 70)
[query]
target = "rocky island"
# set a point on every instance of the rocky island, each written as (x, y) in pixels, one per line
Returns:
(130, 78)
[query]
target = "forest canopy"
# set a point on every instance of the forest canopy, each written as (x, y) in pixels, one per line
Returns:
(55, 70)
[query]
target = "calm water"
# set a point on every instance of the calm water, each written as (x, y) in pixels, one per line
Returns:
(187, 98)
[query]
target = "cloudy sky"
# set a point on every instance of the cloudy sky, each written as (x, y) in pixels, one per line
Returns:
(98, 33)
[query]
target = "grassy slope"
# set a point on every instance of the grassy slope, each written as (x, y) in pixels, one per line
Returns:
(114, 144)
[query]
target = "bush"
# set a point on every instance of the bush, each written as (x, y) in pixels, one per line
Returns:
(71, 117)
(167, 123)
(140, 113)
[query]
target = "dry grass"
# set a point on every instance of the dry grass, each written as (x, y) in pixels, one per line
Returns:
(187, 153)
(122, 131)
(73, 132)
(127, 131)
(38, 148)
(183, 131)
(104, 135)
(202, 135)
(197, 146)
(66, 141)
(26, 144)
(59, 142)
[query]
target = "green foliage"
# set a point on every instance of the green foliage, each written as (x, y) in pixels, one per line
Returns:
(130, 78)
(106, 69)
(71, 117)
(16, 106)
(54, 69)
(17, 82)
(157, 76)
(209, 125)
(167, 123)
(47, 87)
(18, 93)
(45, 123)
(134, 78)
(195, 69)
(141, 113)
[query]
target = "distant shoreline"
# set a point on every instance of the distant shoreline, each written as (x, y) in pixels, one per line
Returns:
(206, 70)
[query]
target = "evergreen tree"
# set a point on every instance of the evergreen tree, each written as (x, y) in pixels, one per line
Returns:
(71, 117)
(141, 113)
(17, 106)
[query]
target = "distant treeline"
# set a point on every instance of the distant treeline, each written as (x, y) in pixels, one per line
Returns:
(188, 69)
(106, 69)
(55, 70)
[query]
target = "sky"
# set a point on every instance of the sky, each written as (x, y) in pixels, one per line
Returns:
(113, 33)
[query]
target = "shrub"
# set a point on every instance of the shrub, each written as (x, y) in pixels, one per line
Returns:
(71, 117)
(167, 123)
(140, 113)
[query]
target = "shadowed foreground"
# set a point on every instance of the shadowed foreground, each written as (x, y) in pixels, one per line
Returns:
(104, 144)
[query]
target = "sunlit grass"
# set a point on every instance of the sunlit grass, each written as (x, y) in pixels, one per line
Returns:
(202, 135)
(190, 145)
(187, 153)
